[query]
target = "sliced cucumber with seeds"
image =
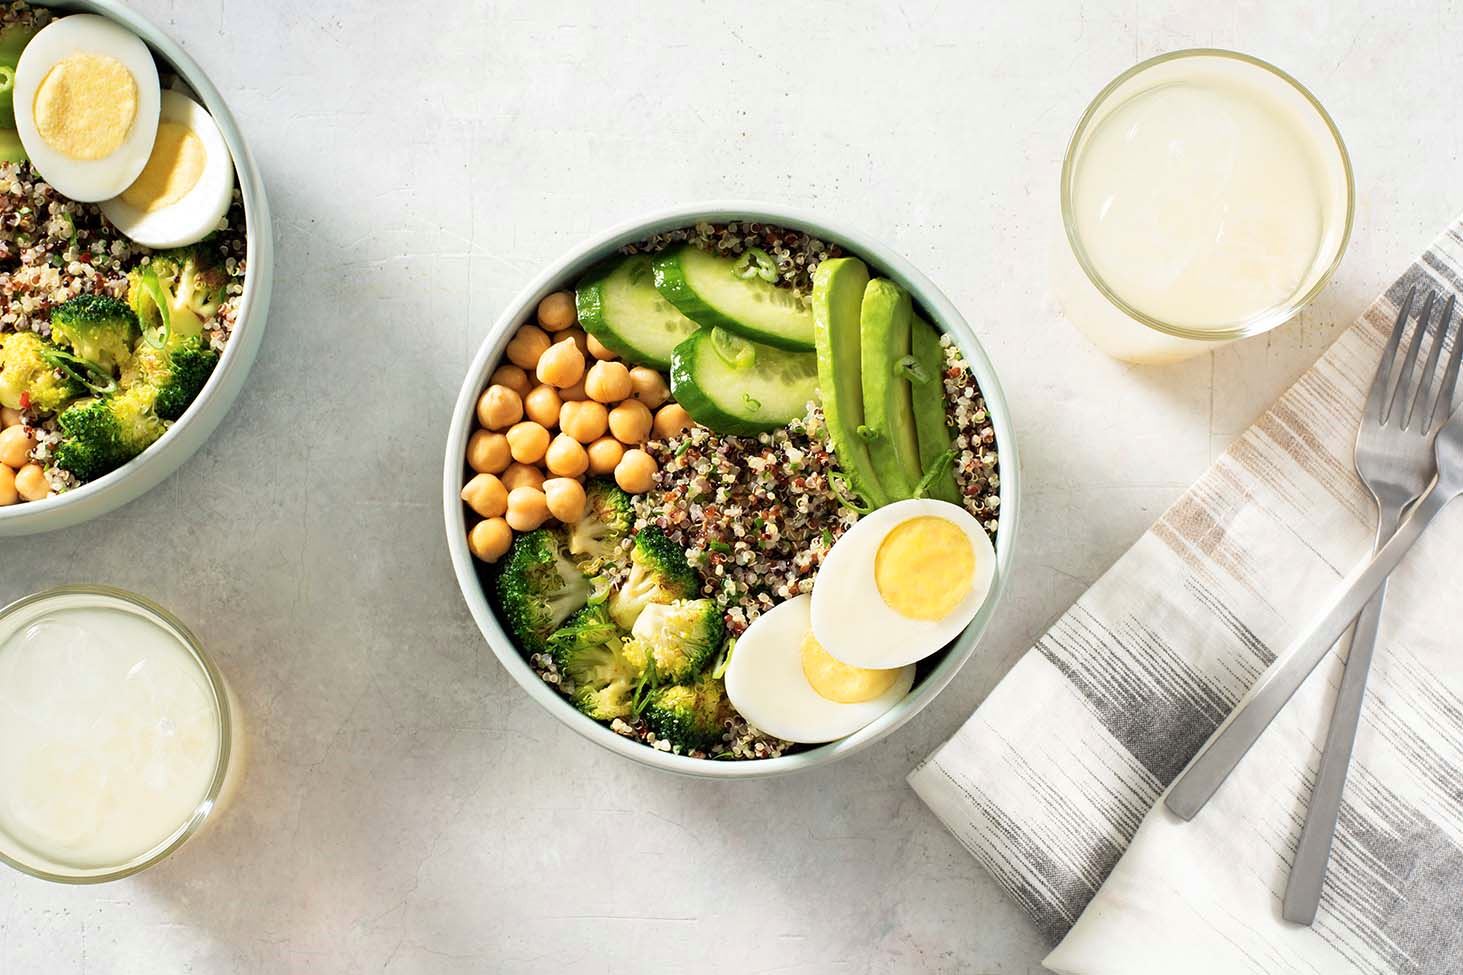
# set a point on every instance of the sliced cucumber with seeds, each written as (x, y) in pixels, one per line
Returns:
(735, 386)
(735, 294)
(619, 305)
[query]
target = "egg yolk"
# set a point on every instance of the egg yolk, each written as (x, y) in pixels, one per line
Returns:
(85, 106)
(924, 568)
(174, 168)
(839, 682)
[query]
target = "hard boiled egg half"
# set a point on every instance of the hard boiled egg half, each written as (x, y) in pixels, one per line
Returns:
(902, 583)
(782, 680)
(185, 188)
(86, 106)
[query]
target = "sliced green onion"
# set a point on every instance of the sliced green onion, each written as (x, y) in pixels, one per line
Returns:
(938, 467)
(755, 263)
(751, 403)
(719, 670)
(92, 375)
(154, 289)
(839, 487)
(911, 368)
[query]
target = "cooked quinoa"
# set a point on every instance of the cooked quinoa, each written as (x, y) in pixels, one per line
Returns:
(53, 248)
(796, 254)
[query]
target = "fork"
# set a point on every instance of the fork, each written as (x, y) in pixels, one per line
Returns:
(1399, 464)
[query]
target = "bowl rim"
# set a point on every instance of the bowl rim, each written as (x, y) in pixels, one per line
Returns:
(574, 262)
(253, 303)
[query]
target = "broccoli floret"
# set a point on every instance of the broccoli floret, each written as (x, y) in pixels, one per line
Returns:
(539, 588)
(191, 283)
(658, 573)
(680, 637)
(594, 540)
(100, 435)
(28, 379)
(690, 716)
(589, 651)
(178, 373)
(96, 327)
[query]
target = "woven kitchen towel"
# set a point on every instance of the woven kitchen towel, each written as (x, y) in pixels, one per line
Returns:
(1057, 773)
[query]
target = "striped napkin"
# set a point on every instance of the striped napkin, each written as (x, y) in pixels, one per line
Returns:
(1052, 783)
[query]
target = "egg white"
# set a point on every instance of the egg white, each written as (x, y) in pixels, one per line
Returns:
(766, 684)
(850, 617)
(87, 180)
(196, 214)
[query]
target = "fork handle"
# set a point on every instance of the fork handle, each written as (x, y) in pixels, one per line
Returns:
(1197, 784)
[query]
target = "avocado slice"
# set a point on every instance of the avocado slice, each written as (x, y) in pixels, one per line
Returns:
(885, 319)
(838, 294)
(931, 421)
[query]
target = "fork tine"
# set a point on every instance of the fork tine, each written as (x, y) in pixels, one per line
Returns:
(1376, 403)
(1423, 403)
(1403, 391)
(1443, 406)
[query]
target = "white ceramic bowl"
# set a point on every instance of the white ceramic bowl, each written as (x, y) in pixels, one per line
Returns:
(164, 457)
(562, 274)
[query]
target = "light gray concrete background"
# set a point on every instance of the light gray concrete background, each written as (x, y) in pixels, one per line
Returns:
(406, 808)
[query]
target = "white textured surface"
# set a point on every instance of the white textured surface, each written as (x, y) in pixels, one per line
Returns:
(407, 809)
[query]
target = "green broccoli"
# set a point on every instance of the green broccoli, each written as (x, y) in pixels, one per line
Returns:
(691, 717)
(589, 651)
(178, 290)
(658, 573)
(594, 540)
(539, 588)
(178, 373)
(100, 435)
(680, 638)
(98, 328)
(29, 376)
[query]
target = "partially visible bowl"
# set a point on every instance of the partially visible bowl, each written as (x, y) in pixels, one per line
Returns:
(471, 575)
(153, 465)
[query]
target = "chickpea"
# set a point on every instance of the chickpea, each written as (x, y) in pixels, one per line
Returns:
(9, 417)
(542, 406)
(527, 441)
(598, 349)
(15, 446)
(31, 483)
(511, 376)
(527, 509)
(565, 497)
(499, 407)
(557, 312)
(607, 382)
(562, 365)
(580, 337)
(635, 472)
(528, 343)
(486, 495)
(8, 494)
(584, 420)
(604, 454)
(488, 453)
(490, 540)
(670, 420)
(573, 394)
(630, 422)
(566, 457)
(649, 385)
(521, 475)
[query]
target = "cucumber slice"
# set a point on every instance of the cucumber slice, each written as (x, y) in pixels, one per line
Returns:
(718, 293)
(735, 386)
(930, 414)
(618, 305)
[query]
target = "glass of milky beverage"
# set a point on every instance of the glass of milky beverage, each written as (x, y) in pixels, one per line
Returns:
(117, 735)
(1206, 197)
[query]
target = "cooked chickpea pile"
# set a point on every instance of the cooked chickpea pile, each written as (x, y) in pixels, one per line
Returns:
(560, 407)
(21, 479)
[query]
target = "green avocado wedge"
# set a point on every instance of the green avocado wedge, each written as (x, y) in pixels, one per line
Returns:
(734, 386)
(930, 416)
(884, 318)
(838, 294)
(619, 305)
(718, 292)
